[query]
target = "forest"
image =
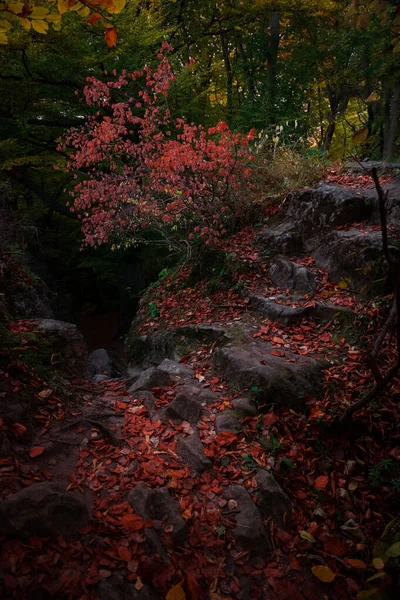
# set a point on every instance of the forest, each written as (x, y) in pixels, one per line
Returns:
(199, 299)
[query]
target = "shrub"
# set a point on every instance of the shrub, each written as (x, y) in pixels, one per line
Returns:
(145, 170)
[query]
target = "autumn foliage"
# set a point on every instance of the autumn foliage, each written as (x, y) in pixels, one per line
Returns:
(140, 169)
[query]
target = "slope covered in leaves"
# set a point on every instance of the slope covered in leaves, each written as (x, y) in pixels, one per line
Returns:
(344, 490)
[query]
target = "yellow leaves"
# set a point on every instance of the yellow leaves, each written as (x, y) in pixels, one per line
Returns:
(360, 136)
(307, 536)
(373, 97)
(5, 25)
(63, 6)
(40, 26)
(39, 12)
(323, 573)
(378, 563)
(39, 18)
(176, 593)
(356, 564)
(116, 6)
(16, 8)
(26, 23)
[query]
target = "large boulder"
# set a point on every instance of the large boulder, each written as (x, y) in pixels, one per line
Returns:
(325, 207)
(157, 504)
(99, 363)
(278, 379)
(249, 530)
(43, 509)
(355, 255)
(67, 345)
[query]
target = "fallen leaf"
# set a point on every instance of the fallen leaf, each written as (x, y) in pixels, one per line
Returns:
(323, 573)
(335, 546)
(124, 553)
(45, 393)
(176, 593)
(378, 563)
(321, 482)
(357, 564)
(393, 551)
(19, 429)
(307, 536)
(132, 522)
(36, 451)
(225, 438)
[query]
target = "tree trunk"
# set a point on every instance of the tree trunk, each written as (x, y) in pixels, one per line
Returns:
(229, 78)
(272, 69)
(392, 114)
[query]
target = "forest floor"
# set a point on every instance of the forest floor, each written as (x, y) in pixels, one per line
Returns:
(330, 479)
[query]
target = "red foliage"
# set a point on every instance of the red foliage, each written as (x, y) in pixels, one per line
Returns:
(146, 170)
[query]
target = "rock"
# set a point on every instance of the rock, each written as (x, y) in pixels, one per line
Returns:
(149, 379)
(245, 405)
(282, 313)
(5, 446)
(325, 207)
(176, 369)
(150, 350)
(273, 501)
(98, 378)
(283, 238)
(43, 509)
(117, 588)
(366, 165)
(203, 330)
(226, 422)
(184, 408)
(249, 530)
(274, 311)
(190, 448)
(156, 504)
(149, 401)
(280, 381)
(99, 363)
(286, 274)
(355, 255)
(133, 374)
(12, 412)
(66, 341)
(309, 214)
(29, 300)
(195, 390)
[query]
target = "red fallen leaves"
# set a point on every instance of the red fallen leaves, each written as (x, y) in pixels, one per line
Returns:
(124, 553)
(36, 451)
(132, 522)
(321, 482)
(225, 438)
(335, 546)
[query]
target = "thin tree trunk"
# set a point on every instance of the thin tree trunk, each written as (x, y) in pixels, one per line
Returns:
(392, 114)
(229, 78)
(272, 69)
